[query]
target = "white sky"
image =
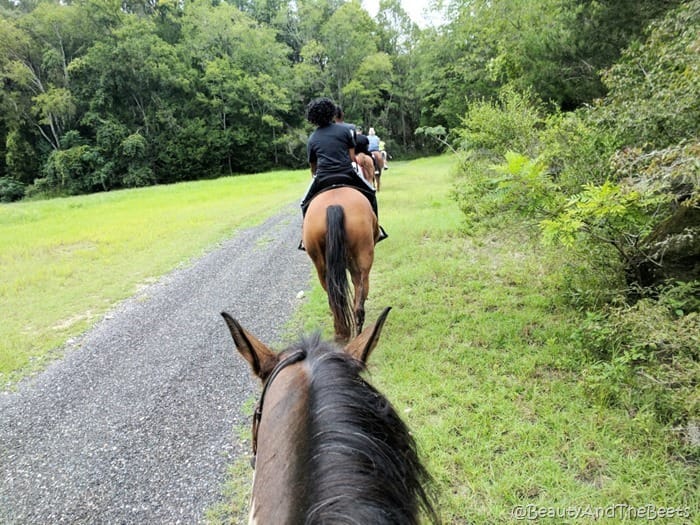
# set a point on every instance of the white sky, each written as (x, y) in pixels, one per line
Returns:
(414, 8)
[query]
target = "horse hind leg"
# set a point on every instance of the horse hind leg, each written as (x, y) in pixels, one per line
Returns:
(379, 167)
(358, 301)
(360, 281)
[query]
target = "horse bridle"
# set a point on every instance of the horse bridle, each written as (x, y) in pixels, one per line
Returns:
(292, 358)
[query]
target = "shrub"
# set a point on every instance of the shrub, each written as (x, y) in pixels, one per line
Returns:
(473, 192)
(10, 189)
(68, 171)
(496, 175)
(609, 214)
(646, 356)
(509, 124)
(576, 152)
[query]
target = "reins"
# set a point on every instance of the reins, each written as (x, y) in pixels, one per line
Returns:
(295, 357)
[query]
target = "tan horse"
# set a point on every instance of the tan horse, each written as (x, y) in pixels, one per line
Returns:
(328, 447)
(339, 233)
(379, 160)
(367, 165)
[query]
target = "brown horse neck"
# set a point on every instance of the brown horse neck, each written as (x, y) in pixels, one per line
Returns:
(278, 496)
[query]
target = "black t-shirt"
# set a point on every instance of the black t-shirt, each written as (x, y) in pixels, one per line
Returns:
(328, 147)
(362, 144)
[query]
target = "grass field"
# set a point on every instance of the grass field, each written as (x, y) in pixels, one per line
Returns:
(65, 262)
(476, 353)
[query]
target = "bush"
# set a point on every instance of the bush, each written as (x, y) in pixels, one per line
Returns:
(11, 189)
(519, 185)
(647, 356)
(473, 192)
(67, 170)
(509, 124)
(496, 175)
(617, 185)
(607, 214)
(590, 278)
(576, 152)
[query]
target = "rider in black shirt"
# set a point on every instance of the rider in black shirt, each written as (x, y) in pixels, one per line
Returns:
(331, 153)
(361, 143)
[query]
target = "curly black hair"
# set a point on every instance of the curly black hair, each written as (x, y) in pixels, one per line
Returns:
(320, 111)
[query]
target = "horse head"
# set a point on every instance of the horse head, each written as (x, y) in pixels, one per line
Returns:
(329, 447)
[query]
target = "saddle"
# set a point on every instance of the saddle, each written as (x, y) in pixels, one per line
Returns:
(340, 181)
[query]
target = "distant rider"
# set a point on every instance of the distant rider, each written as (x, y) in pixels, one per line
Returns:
(373, 146)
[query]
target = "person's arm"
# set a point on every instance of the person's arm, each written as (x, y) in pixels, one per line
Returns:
(352, 155)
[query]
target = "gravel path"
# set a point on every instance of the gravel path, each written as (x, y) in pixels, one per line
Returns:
(136, 424)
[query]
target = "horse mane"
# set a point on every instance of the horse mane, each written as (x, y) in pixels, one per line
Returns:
(362, 458)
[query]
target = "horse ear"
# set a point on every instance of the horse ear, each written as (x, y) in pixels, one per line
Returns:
(261, 359)
(362, 345)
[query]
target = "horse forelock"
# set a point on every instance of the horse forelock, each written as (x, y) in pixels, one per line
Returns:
(363, 463)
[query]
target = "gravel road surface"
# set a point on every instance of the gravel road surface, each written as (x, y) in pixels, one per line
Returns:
(136, 424)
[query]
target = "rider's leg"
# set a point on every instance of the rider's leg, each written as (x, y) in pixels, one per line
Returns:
(310, 192)
(373, 201)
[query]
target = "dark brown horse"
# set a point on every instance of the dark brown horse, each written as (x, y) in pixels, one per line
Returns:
(329, 448)
(379, 162)
(339, 233)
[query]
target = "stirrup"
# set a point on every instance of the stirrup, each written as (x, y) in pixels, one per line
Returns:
(301, 246)
(382, 235)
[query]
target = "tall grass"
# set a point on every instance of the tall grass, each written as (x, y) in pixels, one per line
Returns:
(64, 262)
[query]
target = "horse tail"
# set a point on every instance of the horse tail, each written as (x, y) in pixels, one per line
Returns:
(337, 284)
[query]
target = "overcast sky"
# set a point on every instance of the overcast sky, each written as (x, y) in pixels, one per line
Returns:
(414, 8)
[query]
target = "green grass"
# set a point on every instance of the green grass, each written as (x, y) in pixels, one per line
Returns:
(476, 353)
(65, 262)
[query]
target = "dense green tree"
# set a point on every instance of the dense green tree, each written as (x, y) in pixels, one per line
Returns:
(348, 38)
(241, 77)
(135, 78)
(396, 32)
(400, 109)
(304, 21)
(37, 50)
(369, 91)
(654, 89)
(556, 48)
(37, 102)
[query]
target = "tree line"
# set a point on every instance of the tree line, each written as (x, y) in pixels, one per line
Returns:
(106, 94)
(102, 94)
